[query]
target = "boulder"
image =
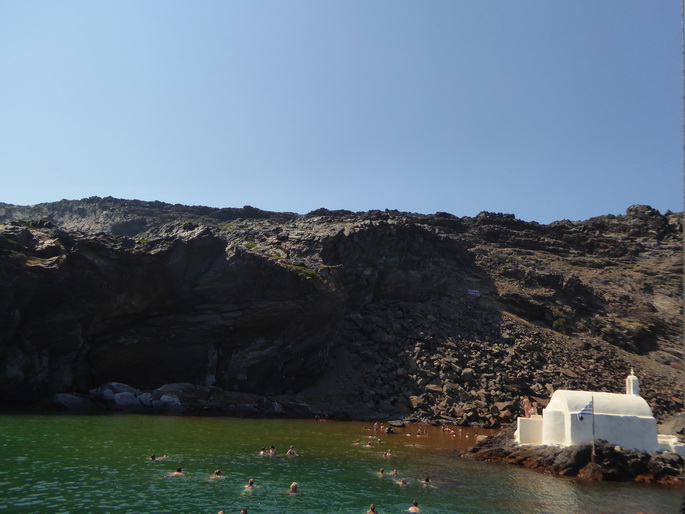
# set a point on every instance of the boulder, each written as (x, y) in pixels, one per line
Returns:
(126, 401)
(467, 375)
(168, 402)
(71, 402)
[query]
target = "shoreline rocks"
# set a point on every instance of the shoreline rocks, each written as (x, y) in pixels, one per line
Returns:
(178, 399)
(611, 462)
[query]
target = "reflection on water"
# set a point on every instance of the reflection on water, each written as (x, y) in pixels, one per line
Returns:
(101, 463)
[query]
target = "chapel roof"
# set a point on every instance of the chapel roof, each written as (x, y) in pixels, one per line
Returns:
(604, 403)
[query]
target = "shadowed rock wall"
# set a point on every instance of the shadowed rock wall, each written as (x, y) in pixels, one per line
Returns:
(191, 309)
(353, 314)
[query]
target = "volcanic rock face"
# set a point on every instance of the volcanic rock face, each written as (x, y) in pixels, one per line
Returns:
(186, 308)
(353, 314)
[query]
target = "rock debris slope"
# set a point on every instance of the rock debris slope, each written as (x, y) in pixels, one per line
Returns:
(335, 313)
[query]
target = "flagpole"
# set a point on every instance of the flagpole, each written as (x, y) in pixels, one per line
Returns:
(593, 429)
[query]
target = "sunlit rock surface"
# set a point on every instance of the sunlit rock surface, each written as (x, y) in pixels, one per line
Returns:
(334, 313)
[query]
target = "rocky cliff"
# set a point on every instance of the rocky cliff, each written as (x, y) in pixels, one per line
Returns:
(361, 315)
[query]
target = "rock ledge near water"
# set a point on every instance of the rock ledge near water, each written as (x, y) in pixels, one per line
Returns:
(179, 399)
(612, 462)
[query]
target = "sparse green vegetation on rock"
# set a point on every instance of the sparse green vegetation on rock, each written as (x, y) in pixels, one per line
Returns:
(559, 325)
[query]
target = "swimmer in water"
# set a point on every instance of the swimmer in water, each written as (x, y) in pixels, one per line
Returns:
(291, 451)
(414, 507)
(357, 443)
(393, 473)
(402, 482)
(372, 509)
(217, 474)
(250, 484)
(272, 450)
(178, 473)
(160, 457)
(263, 451)
(293, 489)
(426, 481)
(381, 472)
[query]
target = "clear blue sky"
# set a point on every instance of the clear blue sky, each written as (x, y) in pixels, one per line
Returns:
(545, 109)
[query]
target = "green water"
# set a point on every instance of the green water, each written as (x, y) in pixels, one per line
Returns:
(101, 464)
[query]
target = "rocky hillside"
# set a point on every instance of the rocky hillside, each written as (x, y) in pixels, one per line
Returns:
(341, 314)
(125, 217)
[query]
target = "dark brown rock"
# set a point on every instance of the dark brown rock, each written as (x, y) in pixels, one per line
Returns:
(609, 463)
(365, 314)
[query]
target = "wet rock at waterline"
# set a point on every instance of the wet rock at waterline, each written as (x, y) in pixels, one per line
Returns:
(611, 462)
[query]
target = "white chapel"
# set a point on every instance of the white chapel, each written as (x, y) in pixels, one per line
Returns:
(572, 417)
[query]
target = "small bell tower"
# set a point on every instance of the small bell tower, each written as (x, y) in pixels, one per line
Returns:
(632, 384)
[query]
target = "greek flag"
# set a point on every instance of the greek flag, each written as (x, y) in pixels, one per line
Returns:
(588, 409)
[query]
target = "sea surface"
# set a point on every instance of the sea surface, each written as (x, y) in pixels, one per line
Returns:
(77, 463)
